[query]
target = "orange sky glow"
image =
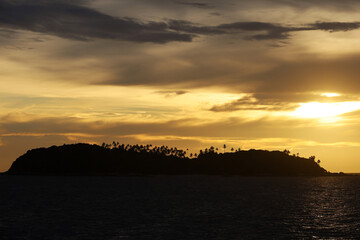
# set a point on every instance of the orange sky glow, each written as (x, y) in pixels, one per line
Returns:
(249, 74)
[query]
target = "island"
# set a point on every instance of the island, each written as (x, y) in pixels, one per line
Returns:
(121, 159)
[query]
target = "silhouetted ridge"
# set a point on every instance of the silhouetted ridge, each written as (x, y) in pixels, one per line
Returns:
(116, 159)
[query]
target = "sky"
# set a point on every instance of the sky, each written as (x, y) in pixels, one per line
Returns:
(262, 74)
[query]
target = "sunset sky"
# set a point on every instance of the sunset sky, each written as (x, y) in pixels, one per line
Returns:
(269, 74)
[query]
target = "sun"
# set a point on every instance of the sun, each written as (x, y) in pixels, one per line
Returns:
(325, 110)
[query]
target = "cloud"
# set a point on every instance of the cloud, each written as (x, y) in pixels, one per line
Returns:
(189, 27)
(228, 127)
(78, 22)
(302, 97)
(19, 136)
(237, 66)
(250, 69)
(272, 31)
(345, 5)
(251, 103)
(250, 5)
(216, 14)
(310, 75)
(335, 26)
(169, 93)
(278, 101)
(262, 30)
(195, 4)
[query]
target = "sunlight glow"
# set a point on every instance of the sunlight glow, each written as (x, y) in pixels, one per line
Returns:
(330, 94)
(325, 110)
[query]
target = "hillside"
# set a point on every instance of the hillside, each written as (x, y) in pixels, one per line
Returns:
(85, 159)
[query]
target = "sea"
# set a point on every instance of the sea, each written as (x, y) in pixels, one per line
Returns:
(179, 207)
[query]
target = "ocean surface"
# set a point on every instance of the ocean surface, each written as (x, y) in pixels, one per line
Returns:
(179, 207)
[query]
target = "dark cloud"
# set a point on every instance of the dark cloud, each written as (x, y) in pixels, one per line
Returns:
(74, 20)
(344, 5)
(169, 93)
(79, 22)
(262, 30)
(189, 27)
(335, 26)
(272, 31)
(195, 4)
(277, 31)
(303, 5)
(235, 6)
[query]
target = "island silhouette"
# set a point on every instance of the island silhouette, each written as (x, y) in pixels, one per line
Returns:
(121, 159)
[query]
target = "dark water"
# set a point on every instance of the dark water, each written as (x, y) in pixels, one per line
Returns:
(179, 207)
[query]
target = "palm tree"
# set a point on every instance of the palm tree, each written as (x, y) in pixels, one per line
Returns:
(211, 149)
(287, 152)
